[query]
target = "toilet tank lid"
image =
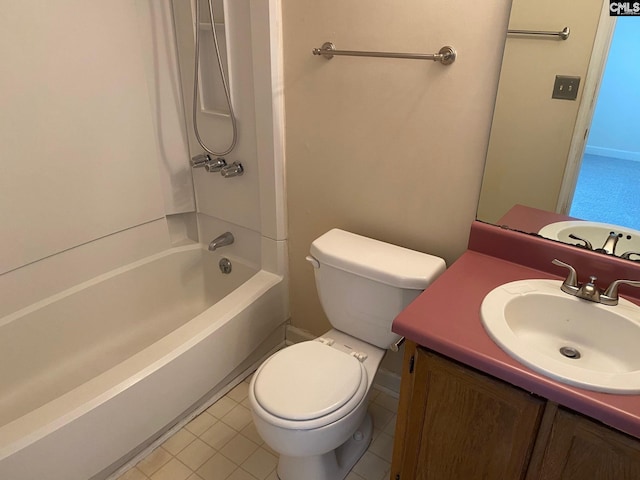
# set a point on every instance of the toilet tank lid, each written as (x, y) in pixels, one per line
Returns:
(383, 262)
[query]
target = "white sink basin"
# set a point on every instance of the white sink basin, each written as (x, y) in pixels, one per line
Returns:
(594, 232)
(532, 320)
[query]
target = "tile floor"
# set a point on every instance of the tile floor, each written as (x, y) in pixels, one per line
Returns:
(223, 444)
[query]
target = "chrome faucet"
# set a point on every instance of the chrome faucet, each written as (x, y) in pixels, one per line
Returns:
(589, 290)
(223, 240)
(610, 244)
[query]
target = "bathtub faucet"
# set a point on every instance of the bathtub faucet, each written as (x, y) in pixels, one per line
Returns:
(223, 240)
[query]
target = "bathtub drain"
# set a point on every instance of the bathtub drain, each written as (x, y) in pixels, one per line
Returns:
(225, 265)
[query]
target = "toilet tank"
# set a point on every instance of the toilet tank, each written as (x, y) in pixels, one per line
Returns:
(363, 284)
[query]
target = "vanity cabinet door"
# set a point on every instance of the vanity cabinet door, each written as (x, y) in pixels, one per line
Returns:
(460, 424)
(580, 449)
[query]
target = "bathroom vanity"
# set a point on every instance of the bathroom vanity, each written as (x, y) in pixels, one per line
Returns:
(469, 410)
(458, 423)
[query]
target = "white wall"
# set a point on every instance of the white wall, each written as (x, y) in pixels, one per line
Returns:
(618, 108)
(157, 35)
(82, 106)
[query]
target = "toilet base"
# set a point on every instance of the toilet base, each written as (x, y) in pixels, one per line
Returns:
(333, 465)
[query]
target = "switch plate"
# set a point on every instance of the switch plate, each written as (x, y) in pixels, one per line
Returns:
(566, 87)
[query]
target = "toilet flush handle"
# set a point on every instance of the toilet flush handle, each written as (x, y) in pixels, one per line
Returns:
(313, 261)
(394, 347)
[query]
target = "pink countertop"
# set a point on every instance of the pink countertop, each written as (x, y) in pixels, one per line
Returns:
(446, 319)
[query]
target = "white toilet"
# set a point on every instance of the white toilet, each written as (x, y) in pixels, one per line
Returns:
(309, 400)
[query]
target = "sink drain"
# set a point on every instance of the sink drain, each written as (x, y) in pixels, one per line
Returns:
(570, 352)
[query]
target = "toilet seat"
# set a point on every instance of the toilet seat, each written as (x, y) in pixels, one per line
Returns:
(308, 385)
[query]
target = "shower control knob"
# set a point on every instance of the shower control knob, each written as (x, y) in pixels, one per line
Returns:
(216, 165)
(233, 170)
(200, 160)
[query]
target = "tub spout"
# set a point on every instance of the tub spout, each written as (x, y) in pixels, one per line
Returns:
(225, 239)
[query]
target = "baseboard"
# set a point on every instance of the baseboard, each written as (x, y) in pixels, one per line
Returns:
(385, 379)
(613, 153)
(294, 335)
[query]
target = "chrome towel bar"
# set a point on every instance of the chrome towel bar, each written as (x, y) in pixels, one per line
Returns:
(446, 55)
(564, 34)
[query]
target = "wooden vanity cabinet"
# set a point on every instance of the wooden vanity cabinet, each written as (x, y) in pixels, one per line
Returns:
(455, 423)
(580, 449)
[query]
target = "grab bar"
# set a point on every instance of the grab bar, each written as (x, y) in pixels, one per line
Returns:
(564, 34)
(446, 55)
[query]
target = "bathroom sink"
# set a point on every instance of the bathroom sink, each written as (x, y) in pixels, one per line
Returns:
(595, 232)
(571, 340)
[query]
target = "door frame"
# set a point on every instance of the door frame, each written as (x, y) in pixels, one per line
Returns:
(588, 101)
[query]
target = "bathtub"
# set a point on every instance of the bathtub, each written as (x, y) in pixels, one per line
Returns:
(89, 375)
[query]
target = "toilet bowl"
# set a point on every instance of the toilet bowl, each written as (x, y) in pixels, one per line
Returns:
(309, 401)
(310, 398)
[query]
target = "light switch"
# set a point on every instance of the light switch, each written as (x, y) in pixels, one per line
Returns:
(566, 87)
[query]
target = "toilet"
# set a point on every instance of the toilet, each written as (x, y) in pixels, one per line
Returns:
(309, 401)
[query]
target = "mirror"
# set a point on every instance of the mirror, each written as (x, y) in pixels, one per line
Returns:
(533, 158)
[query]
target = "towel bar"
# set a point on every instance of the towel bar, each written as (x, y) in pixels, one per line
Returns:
(446, 55)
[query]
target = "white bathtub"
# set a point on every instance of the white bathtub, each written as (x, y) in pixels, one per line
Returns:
(89, 375)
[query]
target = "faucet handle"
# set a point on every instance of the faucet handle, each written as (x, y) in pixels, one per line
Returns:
(215, 165)
(610, 295)
(570, 284)
(233, 170)
(199, 160)
(587, 244)
(627, 255)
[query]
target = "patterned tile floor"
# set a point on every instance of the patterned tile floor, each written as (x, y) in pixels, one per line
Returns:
(222, 444)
